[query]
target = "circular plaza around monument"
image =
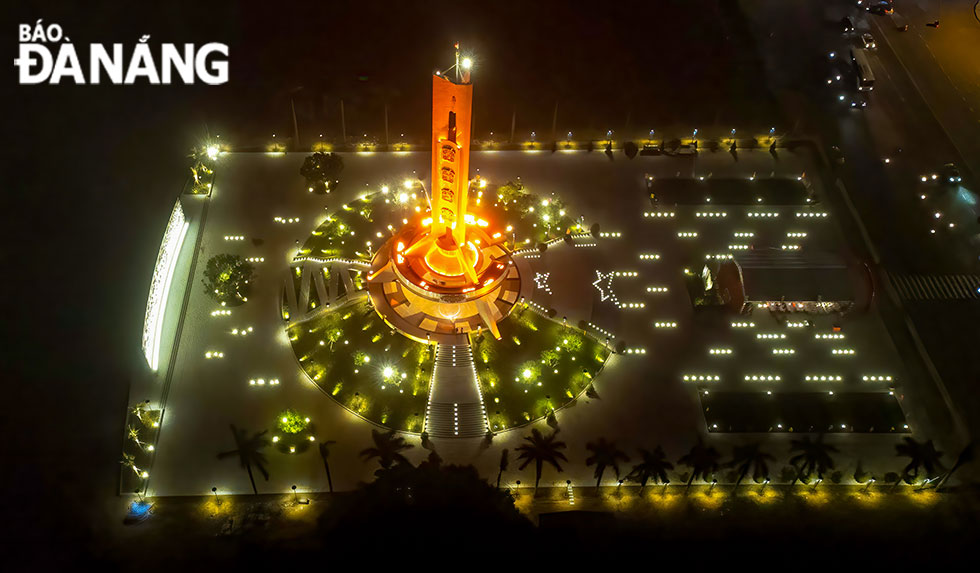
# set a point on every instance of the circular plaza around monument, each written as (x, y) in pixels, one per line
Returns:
(372, 340)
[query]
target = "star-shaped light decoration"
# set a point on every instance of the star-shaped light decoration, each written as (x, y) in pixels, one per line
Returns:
(541, 282)
(605, 279)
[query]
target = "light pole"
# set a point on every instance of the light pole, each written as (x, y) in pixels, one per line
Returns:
(295, 495)
(870, 483)
(694, 162)
(217, 500)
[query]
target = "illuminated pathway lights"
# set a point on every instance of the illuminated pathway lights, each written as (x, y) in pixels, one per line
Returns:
(659, 214)
(665, 324)
(701, 378)
(823, 378)
(742, 324)
(811, 215)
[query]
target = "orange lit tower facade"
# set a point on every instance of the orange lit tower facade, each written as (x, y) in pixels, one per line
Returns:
(447, 272)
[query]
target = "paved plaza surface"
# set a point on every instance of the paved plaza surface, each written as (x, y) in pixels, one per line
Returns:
(643, 400)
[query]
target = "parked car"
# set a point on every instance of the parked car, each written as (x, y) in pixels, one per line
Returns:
(847, 25)
(859, 99)
(881, 7)
(868, 41)
(950, 175)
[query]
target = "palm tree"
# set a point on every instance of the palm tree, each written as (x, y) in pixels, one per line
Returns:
(324, 448)
(134, 434)
(654, 465)
(703, 461)
(138, 410)
(921, 456)
(504, 462)
(604, 454)
(750, 457)
(814, 456)
(249, 452)
(387, 448)
(130, 462)
(539, 449)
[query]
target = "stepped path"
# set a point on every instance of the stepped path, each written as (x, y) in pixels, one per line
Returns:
(455, 407)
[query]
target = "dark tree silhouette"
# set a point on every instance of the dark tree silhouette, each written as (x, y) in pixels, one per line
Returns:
(703, 461)
(654, 466)
(604, 454)
(750, 457)
(814, 456)
(922, 455)
(540, 449)
(249, 452)
(324, 448)
(630, 149)
(504, 462)
(387, 448)
(320, 169)
(451, 501)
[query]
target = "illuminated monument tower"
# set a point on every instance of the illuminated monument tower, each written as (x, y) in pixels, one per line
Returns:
(447, 271)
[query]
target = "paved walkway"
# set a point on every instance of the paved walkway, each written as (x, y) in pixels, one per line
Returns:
(455, 407)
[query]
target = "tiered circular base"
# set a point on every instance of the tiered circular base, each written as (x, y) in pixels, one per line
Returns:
(425, 308)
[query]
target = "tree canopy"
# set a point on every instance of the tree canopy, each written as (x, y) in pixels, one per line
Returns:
(226, 278)
(321, 169)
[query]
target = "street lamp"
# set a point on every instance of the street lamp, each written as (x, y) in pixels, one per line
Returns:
(295, 495)
(217, 500)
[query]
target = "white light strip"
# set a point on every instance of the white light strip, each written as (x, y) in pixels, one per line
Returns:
(163, 272)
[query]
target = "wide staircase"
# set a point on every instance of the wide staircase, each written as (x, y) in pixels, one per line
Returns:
(455, 407)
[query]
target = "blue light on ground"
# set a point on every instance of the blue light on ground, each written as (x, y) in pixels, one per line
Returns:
(139, 509)
(965, 196)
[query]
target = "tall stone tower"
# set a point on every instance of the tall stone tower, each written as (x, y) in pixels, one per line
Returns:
(447, 272)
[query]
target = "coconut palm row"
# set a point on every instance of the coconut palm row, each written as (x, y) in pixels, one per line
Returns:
(810, 458)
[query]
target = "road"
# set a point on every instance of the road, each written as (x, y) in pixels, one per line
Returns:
(925, 109)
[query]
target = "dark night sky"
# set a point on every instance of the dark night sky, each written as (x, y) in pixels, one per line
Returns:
(89, 173)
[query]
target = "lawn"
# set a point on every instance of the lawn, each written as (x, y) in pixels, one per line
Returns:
(537, 366)
(353, 356)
